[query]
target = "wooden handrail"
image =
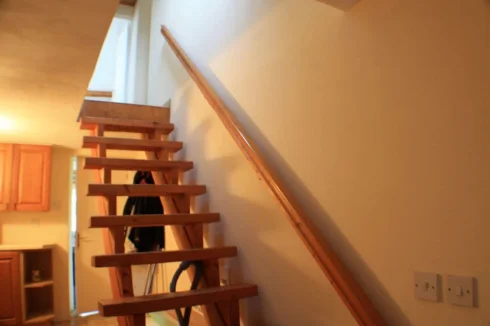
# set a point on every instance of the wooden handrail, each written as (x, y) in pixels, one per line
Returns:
(342, 280)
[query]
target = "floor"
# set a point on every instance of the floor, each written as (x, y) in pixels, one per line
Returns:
(101, 321)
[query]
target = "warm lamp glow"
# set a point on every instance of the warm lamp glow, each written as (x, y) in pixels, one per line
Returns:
(6, 123)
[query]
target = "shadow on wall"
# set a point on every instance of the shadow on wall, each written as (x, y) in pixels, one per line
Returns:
(257, 258)
(321, 219)
(251, 261)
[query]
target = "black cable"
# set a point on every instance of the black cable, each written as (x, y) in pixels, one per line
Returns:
(199, 272)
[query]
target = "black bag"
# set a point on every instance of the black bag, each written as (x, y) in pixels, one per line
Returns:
(150, 238)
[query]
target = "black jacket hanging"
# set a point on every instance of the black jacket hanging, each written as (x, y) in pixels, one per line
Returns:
(145, 239)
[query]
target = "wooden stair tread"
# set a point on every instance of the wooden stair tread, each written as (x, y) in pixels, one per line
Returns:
(125, 125)
(136, 165)
(152, 220)
(131, 144)
(159, 257)
(168, 301)
(144, 190)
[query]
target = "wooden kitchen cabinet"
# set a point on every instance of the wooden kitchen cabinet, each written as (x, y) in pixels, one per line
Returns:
(25, 177)
(5, 175)
(10, 299)
(22, 300)
(31, 178)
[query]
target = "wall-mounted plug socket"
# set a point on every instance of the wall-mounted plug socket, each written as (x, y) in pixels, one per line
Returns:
(427, 286)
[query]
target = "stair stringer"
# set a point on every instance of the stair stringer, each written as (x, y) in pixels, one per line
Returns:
(117, 283)
(120, 278)
(188, 237)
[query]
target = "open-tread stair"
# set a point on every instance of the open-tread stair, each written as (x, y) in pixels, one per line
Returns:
(168, 301)
(152, 220)
(159, 257)
(219, 303)
(144, 190)
(135, 165)
(128, 144)
(125, 125)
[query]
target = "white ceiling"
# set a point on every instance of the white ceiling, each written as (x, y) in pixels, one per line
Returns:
(48, 51)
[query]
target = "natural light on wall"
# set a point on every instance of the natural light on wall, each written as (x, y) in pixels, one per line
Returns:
(6, 124)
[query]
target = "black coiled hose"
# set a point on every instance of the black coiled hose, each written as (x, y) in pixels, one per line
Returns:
(199, 272)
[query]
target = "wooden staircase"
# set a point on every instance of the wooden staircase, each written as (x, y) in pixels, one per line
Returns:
(219, 303)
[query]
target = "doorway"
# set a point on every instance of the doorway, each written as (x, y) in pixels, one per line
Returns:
(73, 230)
(85, 243)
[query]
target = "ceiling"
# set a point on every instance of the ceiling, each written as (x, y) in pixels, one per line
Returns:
(131, 3)
(341, 4)
(48, 54)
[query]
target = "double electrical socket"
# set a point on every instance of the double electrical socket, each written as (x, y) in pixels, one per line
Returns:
(460, 290)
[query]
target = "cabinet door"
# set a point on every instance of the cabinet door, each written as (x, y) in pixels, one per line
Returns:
(5, 175)
(31, 178)
(10, 299)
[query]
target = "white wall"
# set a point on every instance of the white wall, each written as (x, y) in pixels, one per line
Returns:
(139, 49)
(108, 66)
(378, 119)
(122, 64)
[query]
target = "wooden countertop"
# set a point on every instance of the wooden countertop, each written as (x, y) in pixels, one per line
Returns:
(21, 247)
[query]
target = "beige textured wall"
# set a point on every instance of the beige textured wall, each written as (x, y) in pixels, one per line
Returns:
(48, 54)
(48, 227)
(379, 121)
